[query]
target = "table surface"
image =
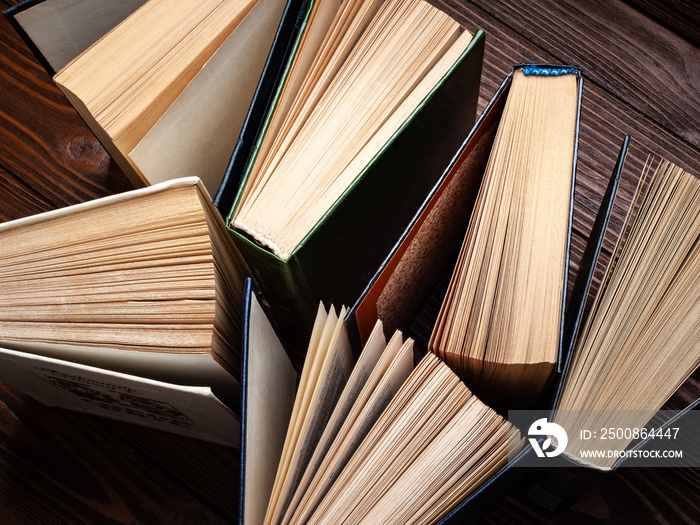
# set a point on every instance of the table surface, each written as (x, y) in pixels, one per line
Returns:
(641, 69)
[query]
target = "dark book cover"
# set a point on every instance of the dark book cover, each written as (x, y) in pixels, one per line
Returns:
(340, 255)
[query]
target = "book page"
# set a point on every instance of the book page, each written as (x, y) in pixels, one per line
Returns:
(198, 132)
(337, 366)
(366, 364)
(377, 395)
(320, 336)
(62, 29)
(271, 384)
(322, 14)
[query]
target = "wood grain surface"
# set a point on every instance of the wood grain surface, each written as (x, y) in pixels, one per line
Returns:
(641, 76)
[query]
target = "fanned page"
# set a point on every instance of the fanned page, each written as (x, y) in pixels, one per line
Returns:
(327, 367)
(124, 83)
(357, 381)
(387, 377)
(499, 324)
(642, 337)
(394, 428)
(434, 435)
(137, 283)
(376, 65)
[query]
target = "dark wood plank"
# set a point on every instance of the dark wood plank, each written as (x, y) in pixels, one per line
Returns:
(62, 467)
(207, 471)
(681, 16)
(48, 155)
(635, 59)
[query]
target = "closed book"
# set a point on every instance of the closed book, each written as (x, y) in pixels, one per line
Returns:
(196, 121)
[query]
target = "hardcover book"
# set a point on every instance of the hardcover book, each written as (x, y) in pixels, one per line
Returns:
(427, 248)
(165, 87)
(618, 416)
(639, 340)
(379, 189)
(369, 431)
(501, 323)
(128, 306)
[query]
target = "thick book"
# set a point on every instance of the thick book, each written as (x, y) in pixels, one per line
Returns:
(191, 128)
(342, 251)
(427, 247)
(501, 323)
(345, 423)
(128, 306)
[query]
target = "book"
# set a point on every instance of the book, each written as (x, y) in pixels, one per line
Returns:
(128, 306)
(547, 487)
(384, 427)
(501, 322)
(357, 219)
(427, 247)
(643, 431)
(644, 316)
(167, 89)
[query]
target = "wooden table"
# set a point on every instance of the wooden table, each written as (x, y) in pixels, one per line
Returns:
(641, 66)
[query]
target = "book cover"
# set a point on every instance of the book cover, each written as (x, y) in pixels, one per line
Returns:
(186, 410)
(57, 31)
(267, 398)
(427, 247)
(339, 256)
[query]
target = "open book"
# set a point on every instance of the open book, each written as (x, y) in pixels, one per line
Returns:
(501, 322)
(376, 97)
(128, 306)
(165, 85)
(374, 439)
(641, 338)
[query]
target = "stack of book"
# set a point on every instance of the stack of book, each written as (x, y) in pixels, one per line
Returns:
(341, 147)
